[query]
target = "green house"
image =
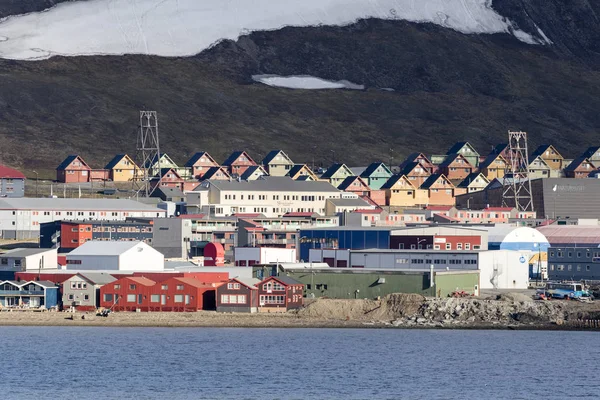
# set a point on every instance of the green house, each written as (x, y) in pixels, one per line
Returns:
(376, 175)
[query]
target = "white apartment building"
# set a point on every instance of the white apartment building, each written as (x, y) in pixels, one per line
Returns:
(270, 196)
(21, 218)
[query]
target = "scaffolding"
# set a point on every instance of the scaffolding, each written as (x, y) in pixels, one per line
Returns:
(517, 186)
(147, 155)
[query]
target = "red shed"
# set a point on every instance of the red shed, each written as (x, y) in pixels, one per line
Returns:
(280, 294)
(127, 294)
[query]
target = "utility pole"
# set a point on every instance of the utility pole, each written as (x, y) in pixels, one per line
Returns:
(36, 183)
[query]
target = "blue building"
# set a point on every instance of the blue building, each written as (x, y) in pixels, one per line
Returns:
(33, 294)
(356, 238)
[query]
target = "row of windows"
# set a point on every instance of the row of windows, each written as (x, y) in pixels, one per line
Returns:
(155, 298)
(269, 299)
(435, 261)
(561, 267)
(233, 299)
(569, 254)
(276, 197)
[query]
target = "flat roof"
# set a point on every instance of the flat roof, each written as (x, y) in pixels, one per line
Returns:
(274, 184)
(25, 203)
(416, 251)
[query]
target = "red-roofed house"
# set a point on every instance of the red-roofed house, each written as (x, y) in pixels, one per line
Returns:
(12, 182)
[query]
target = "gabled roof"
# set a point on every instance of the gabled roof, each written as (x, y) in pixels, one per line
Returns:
(591, 151)
(409, 167)
(251, 170)
(213, 170)
(234, 156)
(433, 179)
(164, 171)
(150, 163)
(305, 178)
(104, 248)
(394, 179)
(331, 171)
(490, 159)
(96, 278)
(274, 153)
(284, 279)
(9, 173)
(458, 146)
(542, 149)
(167, 192)
(116, 159)
(576, 163)
(67, 161)
(191, 282)
(248, 282)
(414, 157)
(540, 159)
(471, 178)
(196, 157)
(350, 180)
(370, 170)
(452, 157)
(500, 148)
(141, 280)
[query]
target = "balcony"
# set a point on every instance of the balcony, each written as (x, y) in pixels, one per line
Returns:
(275, 241)
(21, 292)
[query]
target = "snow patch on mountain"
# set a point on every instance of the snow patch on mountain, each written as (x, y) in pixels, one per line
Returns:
(173, 28)
(304, 82)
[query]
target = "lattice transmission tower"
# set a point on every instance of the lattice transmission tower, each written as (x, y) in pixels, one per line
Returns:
(517, 186)
(147, 155)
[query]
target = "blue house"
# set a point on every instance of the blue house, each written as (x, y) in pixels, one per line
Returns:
(32, 294)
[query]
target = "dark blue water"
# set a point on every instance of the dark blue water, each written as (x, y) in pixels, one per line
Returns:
(203, 363)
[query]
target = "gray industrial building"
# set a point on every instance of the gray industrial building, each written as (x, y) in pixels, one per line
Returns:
(574, 263)
(172, 237)
(552, 197)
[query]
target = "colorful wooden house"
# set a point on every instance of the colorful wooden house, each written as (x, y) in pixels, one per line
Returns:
(280, 293)
(416, 172)
(277, 163)
(440, 190)
(355, 184)
(198, 164)
(539, 169)
(550, 155)
(253, 173)
(473, 183)
(401, 192)
(376, 175)
(494, 166)
(301, 170)
(467, 151)
(336, 174)
(238, 162)
(122, 169)
(238, 295)
(456, 167)
(592, 154)
(422, 160)
(579, 168)
(168, 177)
(154, 166)
(73, 170)
(217, 174)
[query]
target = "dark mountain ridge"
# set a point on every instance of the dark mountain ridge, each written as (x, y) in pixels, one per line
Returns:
(447, 86)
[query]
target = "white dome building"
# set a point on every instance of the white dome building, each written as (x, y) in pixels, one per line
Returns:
(507, 237)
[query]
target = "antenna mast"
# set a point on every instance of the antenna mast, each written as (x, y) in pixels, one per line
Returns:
(147, 154)
(517, 192)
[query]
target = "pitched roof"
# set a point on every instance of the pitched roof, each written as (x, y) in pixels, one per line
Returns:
(196, 157)
(23, 252)
(9, 173)
(591, 151)
(413, 157)
(349, 181)
(489, 160)
(116, 159)
(296, 168)
(470, 178)
(150, 163)
(459, 145)
(452, 157)
(105, 248)
(67, 161)
(286, 280)
(167, 192)
(305, 178)
(61, 204)
(249, 282)
(234, 156)
(393, 180)
(409, 167)
(142, 280)
(370, 170)
(212, 171)
(333, 169)
(432, 179)
(499, 148)
(576, 163)
(356, 202)
(251, 170)
(192, 282)
(541, 149)
(271, 156)
(97, 278)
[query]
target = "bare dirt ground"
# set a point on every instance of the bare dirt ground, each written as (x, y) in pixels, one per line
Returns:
(512, 310)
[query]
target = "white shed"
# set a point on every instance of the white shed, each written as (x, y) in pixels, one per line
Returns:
(29, 259)
(248, 256)
(115, 256)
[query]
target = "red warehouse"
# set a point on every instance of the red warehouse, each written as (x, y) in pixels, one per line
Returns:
(280, 294)
(182, 294)
(127, 294)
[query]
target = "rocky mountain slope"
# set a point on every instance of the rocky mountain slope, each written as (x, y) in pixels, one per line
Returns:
(426, 86)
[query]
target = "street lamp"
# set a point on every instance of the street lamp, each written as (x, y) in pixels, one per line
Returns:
(419, 241)
(36, 183)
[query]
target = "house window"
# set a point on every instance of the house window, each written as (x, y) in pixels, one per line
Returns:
(71, 297)
(164, 287)
(117, 287)
(225, 299)
(131, 298)
(458, 246)
(233, 299)
(179, 287)
(178, 298)
(132, 287)
(448, 246)
(155, 298)
(108, 297)
(86, 297)
(467, 246)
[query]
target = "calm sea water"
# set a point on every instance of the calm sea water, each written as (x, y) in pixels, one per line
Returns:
(203, 363)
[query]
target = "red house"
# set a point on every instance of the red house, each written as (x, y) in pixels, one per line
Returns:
(73, 170)
(169, 178)
(280, 293)
(238, 295)
(182, 294)
(238, 162)
(127, 294)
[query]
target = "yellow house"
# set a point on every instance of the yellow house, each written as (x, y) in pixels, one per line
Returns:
(400, 192)
(493, 167)
(121, 168)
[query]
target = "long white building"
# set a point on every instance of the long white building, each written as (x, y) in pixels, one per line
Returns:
(21, 218)
(271, 196)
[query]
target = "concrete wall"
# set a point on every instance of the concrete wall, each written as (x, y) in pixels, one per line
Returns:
(142, 258)
(171, 237)
(504, 269)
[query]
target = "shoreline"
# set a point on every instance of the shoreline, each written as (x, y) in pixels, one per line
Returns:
(204, 319)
